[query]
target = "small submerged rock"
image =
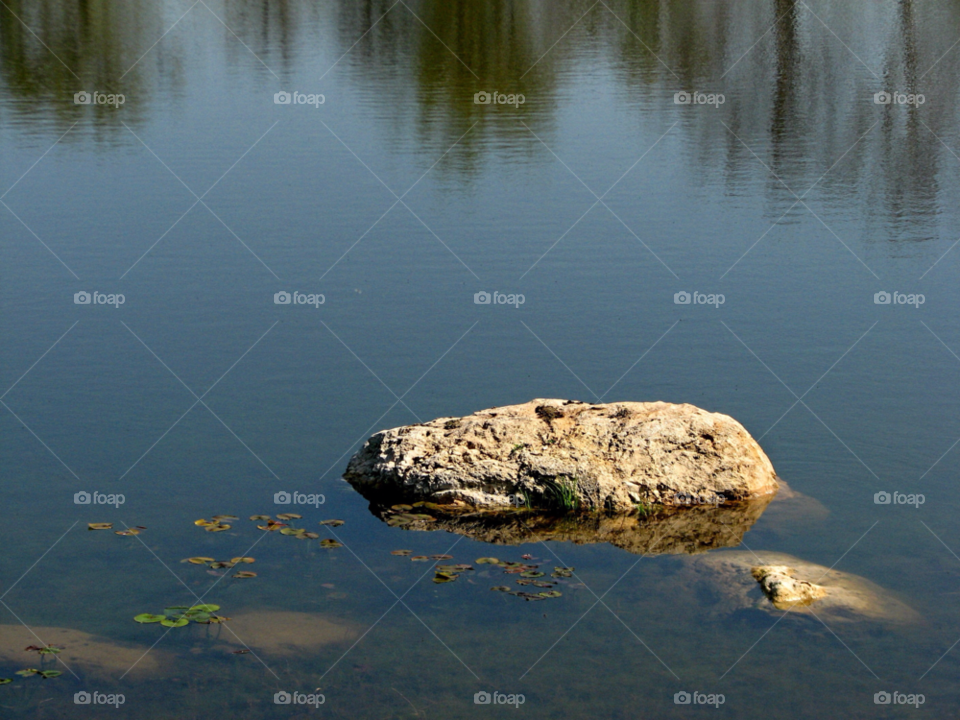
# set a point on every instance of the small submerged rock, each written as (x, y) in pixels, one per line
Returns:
(784, 590)
(565, 454)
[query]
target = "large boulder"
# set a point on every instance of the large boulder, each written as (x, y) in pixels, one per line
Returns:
(565, 454)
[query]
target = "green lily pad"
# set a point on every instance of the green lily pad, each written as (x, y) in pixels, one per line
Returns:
(176, 609)
(50, 650)
(4, 681)
(330, 543)
(174, 622)
(244, 574)
(487, 561)
(291, 531)
(259, 517)
(444, 577)
(395, 521)
(206, 607)
(199, 560)
(531, 574)
(47, 674)
(419, 558)
(148, 618)
(541, 584)
(551, 594)
(289, 516)
(332, 523)
(27, 672)
(401, 508)
(501, 588)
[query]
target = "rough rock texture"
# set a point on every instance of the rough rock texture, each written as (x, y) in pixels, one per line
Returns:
(728, 576)
(613, 456)
(784, 590)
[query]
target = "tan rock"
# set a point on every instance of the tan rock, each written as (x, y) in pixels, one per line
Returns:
(610, 457)
(87, 655)
(784, 590)
(846, 597)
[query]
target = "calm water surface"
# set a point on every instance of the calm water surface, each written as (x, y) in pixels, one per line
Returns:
(398, 199)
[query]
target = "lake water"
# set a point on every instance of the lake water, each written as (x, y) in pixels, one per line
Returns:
(601, 199)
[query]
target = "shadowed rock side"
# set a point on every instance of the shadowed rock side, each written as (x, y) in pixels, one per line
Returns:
(665, 531)
(566, 453)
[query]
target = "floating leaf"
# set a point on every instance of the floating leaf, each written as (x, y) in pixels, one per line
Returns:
(4, 681)
(445, 577)
(441, 557)
(148, 618)
(246, 560)
(218, 565)
(463, 566)
(289, 516)
(521, 581)
(332, 523)
(243, 651)
(199, 560)
(526, 557)
(541, 584)
(425, 518)
(127, 533)
(551, 594)
(501, 588)
(99, 526)
(176, 609)
(50, 650)
(401, 508)
(203, 523)
(259, 517)
(27, 672)
(47, 674)
(487, 561)
(309, 536)
(447, 569)
(397, 520)
(225, 517)
(419, 558)
(531, 574)
(291, 531)
(206, 607)
(217, 528)
(244, 574)
(217, 619)
(174, 622)
(401, 552)
(330, 544)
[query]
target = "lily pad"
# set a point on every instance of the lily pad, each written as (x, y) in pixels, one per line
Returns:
(292, 531)
(127, 533)
(551, 594)
(531, 574)
(259, 517)
(332, 523)
(148, 618)
(441, 557)
(99, 526)
(487, 561)
(199, 560)
(309, 536)
(401, 508)
(398, 520)
(203, 522)
(441, 577)
(27, 672)
(461, 567)
(4, 681)
(424, 517)
(217, 528)
(289, 516)
(221, 564)
(217, 619)
(401, 552)
(225, 517)
(244, 574)
(501, 588)
(330, 543)
(419, 558)
(47, 674)
(206, 607)
(541, 584)
(174, 622)
(245, 560)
